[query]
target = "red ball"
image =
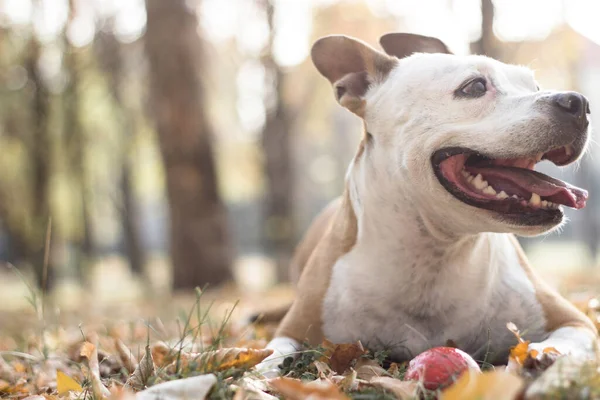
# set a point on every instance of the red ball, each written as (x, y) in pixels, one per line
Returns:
(439, 367)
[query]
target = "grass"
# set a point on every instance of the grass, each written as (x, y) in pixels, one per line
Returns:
(200, 328)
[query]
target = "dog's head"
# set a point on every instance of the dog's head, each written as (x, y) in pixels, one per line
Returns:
(458, 137)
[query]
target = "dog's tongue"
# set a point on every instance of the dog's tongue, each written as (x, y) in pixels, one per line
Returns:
(515, 180)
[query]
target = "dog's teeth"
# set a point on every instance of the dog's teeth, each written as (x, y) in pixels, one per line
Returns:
(514, 196)
(538, 158)
(470, 178)
(502, 195)
(479, 183)
(544, 204)
(568, 150)
(489, 190)
(465, 173)
(535, 199)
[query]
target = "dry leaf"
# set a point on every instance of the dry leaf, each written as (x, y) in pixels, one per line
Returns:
(196, 387)
(254, 388)
(323, 369)
(348, 382)
(222, 359)
(528, 362)
(6, 372)
(368, 369)
(19, 388)
(64, 384)
(560, 375)
(125, 355)
(344, 356)
(87, 350)
(144, 371)
(162, 354)
(401, 389)
(293, 389)
(490, 385)
(90, 352)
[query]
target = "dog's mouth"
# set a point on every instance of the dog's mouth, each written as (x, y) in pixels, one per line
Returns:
(509, 186)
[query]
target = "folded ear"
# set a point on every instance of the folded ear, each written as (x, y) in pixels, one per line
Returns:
(404, 44)
(351, 66)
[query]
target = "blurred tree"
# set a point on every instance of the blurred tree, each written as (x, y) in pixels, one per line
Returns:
(110, 56)
(278, 221)
(488, 43)
(200, 245)
(39, 154)
(75, 146)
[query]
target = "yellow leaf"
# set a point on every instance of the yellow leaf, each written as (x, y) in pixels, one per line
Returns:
(220, 360)
(490, 385)
(64, 383)
(520, 352)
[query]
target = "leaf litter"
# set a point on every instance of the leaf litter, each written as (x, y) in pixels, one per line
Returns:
(194, 358)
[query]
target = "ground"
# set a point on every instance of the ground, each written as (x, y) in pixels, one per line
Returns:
(120, 346)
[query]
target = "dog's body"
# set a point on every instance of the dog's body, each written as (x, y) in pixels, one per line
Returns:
(407, 258)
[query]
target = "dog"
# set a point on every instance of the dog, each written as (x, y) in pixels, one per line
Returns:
(420, 249)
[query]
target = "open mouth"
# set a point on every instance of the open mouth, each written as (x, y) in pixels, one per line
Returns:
(509, 186)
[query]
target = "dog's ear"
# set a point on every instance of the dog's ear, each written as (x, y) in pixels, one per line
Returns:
(351, 66)
(404, 44)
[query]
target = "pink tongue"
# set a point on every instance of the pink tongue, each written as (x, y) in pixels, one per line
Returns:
(523, 181)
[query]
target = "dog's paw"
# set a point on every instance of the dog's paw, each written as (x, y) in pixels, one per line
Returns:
(283, 347)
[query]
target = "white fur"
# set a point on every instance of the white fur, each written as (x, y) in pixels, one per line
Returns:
(578, 343)
(426, 267)
(282, 347)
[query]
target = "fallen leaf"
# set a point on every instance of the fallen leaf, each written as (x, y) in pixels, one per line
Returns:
(323, 369)
(220, 360)
(490, 385)
(6, 372)
(401, 389)
(87, 350)
(368, 369)
(293, 389)
(65, 384)
(348, 382)
(90, 352)
(162, 354)
(144, 371)
(125, 355)
(196, 387)
(560, 376)
(345, 355)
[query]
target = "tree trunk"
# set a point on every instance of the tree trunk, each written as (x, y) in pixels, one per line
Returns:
(200, 247)
(278, 221)
(487, 44)
(76, 147)
(39, 148)
(111, 59)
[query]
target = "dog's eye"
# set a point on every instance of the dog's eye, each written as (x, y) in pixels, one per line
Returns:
(474, 88)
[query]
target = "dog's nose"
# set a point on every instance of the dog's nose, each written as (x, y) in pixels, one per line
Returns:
(575, 104)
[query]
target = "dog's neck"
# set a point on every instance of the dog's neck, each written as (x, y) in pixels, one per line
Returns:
(392, 229)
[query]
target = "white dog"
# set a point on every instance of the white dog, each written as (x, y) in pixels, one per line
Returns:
(419, 249)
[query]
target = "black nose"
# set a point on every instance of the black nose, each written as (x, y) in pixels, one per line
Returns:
(574, 104)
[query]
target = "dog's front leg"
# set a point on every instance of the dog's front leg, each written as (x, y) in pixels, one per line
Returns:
(579, 342)
(282, 347)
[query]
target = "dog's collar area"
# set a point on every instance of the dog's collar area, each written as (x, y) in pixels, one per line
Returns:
(508, 186)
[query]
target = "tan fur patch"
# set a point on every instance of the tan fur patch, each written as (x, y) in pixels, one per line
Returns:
(303, 321)
(558, 311)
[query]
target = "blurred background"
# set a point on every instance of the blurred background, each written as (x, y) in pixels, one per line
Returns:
(167, 144)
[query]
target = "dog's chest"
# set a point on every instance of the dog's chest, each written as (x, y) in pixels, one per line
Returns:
(407, 307)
